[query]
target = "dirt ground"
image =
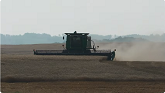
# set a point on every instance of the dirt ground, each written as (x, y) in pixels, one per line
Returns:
(23, 72)
(84, 87)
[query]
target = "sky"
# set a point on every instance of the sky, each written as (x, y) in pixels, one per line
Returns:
(104, 17)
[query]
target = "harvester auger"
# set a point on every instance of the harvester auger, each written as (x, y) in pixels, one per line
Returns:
(77, 44)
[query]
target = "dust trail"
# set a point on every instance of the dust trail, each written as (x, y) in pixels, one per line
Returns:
(139, 51)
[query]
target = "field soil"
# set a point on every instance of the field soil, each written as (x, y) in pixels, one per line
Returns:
(23, 72)
(85, 87)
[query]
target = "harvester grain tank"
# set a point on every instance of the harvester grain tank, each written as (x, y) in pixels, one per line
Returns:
(77, 44)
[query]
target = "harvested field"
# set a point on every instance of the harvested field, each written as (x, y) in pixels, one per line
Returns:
(54, 68)
(24, 72)
(84, 87)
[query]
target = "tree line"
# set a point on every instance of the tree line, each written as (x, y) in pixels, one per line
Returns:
(33, 38)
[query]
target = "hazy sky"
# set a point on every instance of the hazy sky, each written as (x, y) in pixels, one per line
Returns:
(103, 17)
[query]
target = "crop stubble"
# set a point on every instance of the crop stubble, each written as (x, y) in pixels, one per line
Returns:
(24, 72)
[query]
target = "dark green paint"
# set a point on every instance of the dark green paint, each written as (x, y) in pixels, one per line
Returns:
(76, 41)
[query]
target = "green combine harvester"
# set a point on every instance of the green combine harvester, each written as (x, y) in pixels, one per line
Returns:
(77, 44)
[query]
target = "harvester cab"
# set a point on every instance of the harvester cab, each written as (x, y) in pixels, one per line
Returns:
(77, 44)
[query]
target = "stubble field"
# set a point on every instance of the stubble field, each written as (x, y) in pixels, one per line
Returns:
(23, 72)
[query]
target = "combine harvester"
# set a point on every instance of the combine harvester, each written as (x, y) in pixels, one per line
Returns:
(77, 44)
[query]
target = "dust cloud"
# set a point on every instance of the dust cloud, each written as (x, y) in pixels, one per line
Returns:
(139, 51)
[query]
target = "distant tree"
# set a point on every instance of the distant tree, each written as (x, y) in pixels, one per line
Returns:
(29, 38)
(34, 38)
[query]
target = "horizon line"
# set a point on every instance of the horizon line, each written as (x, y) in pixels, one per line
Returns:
(89, 34)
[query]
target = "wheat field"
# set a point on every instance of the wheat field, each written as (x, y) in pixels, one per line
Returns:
(23, 72)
